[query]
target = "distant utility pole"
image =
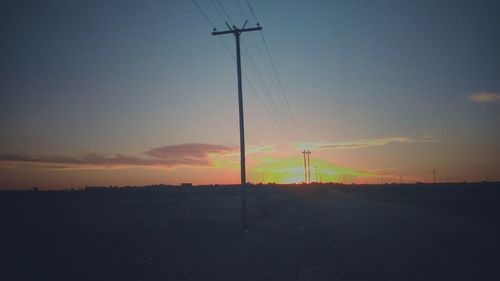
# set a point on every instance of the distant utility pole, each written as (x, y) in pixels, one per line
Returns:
(305, 166)
(308, 166)
(237, 32)
(316, 173)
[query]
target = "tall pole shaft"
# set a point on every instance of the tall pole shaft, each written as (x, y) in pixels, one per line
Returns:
(308, 166)
(305, 166)
(242, 136)
(237, 33)
(315, 174)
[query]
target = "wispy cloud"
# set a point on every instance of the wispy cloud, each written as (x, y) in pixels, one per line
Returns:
(482, 97)
(171, 156)
(363, 143)
(190, 153)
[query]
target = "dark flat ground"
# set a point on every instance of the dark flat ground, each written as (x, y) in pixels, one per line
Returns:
(389, 232)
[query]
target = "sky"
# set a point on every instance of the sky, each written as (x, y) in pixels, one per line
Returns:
(140, 92)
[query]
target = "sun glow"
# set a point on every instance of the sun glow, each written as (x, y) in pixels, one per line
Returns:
(291, 170)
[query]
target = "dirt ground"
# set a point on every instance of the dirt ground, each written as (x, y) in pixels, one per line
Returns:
(327, 232)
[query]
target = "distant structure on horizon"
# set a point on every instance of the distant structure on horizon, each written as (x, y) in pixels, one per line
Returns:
(307, 166)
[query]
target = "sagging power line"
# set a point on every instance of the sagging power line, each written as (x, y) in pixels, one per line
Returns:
(276, 114)
(275, 105)
(275, 71)
(270, 112)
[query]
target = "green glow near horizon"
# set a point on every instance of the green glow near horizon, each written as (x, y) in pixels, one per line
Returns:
(291, 170)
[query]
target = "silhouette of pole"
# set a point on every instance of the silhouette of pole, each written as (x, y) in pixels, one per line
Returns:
(316, 173)
(237, 32)
(305, 166)
(308, 166)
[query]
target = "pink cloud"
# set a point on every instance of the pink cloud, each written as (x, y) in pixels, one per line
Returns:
(482, 97)
(190, 151)
(191, 154)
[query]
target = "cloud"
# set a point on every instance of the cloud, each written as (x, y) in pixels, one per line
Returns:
(364, 143)
(482, 97)
(190, 154)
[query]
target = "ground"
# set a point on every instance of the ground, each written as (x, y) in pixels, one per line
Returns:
(316, 232)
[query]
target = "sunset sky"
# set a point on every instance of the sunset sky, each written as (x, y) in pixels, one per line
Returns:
(140, 92)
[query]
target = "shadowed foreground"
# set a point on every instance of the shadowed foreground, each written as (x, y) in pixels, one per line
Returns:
(390, 232)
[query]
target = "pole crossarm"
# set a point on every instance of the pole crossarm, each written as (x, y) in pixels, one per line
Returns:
(236, 30)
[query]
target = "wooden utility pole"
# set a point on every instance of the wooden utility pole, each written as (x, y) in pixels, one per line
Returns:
(316, 173)
(308, 166)
(237, 32)
(305, 166)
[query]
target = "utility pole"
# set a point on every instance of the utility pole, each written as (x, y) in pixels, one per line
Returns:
(316, 172)
(305, 166)
(308, 166)
(237, 32)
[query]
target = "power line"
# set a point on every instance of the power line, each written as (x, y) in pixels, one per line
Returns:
(225, 13)
(227, 48)
(264, 86)
(261, 54)
(253, 35)
(267, 69)
(254, 91)
(280, 95)
(218, 11)
(284, 128)
(242, 10)
(287, 104)
(252, 12)
(204, 15)
(280, 84)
